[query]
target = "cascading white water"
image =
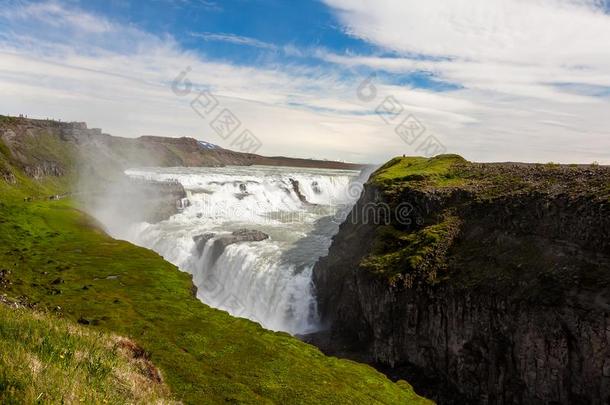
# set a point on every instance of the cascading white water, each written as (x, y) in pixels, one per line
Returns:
(268, 281)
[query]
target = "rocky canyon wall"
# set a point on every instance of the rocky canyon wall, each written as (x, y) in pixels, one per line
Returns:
(496, 285)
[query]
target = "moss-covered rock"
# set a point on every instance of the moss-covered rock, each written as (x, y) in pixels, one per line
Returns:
(399, 254)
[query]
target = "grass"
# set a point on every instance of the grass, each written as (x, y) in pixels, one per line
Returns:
(397, 253)
(6, 120)
(50, 148)
(57, 257)
(44, 359)
(436, 171)
(26, 187)
(4, 151)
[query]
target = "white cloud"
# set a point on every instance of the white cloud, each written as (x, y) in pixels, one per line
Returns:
(235, 39)
(508, 31)
(511, 57)
(119, 78)
(55, 14)
(512, 46)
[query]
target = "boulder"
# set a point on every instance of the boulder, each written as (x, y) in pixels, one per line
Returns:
(201, 240)
(247, 235)
(297, 190)
(241, 235)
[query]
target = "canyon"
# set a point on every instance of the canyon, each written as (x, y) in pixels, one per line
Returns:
(477, 283)
(57, 259)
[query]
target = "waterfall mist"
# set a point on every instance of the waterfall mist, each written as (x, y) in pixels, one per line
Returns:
(250, 236)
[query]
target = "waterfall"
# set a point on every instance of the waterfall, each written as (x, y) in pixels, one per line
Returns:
(250, 236)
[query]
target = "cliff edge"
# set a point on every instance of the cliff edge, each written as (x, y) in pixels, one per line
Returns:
(488, 283)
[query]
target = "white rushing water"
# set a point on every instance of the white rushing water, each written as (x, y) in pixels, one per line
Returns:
(268, 281)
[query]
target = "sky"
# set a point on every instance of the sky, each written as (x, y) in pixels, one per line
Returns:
(352, 80)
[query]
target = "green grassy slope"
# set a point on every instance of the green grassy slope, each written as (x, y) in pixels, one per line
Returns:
(44, 359)
(55, 256)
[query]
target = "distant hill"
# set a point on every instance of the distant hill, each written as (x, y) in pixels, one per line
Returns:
(51, 148)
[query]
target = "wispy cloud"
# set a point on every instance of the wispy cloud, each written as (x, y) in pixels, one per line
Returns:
(511, 46)
(505, 55)
(55, 14)
(205, 4)
(235, 39)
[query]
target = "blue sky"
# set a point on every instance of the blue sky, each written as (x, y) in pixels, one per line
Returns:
(277, 23)
(256, 32)
(489, 79)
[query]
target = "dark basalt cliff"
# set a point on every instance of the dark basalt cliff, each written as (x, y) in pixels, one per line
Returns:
(485, 283)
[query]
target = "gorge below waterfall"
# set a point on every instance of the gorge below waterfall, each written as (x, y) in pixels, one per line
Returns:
(266, 279)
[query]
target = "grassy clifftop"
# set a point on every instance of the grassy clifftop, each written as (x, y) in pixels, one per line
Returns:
(54, 256)
(537, 230)
(438, 170)
(490, 180)
(400, 252)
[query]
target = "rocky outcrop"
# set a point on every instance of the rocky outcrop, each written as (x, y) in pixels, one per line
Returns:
(147, 200)
(297, 190)
(246, 235)
(44, 169)
(220, 243)
(201, 241)
(8, 176)
(506, 302)
(126, 201)
(242, 235)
